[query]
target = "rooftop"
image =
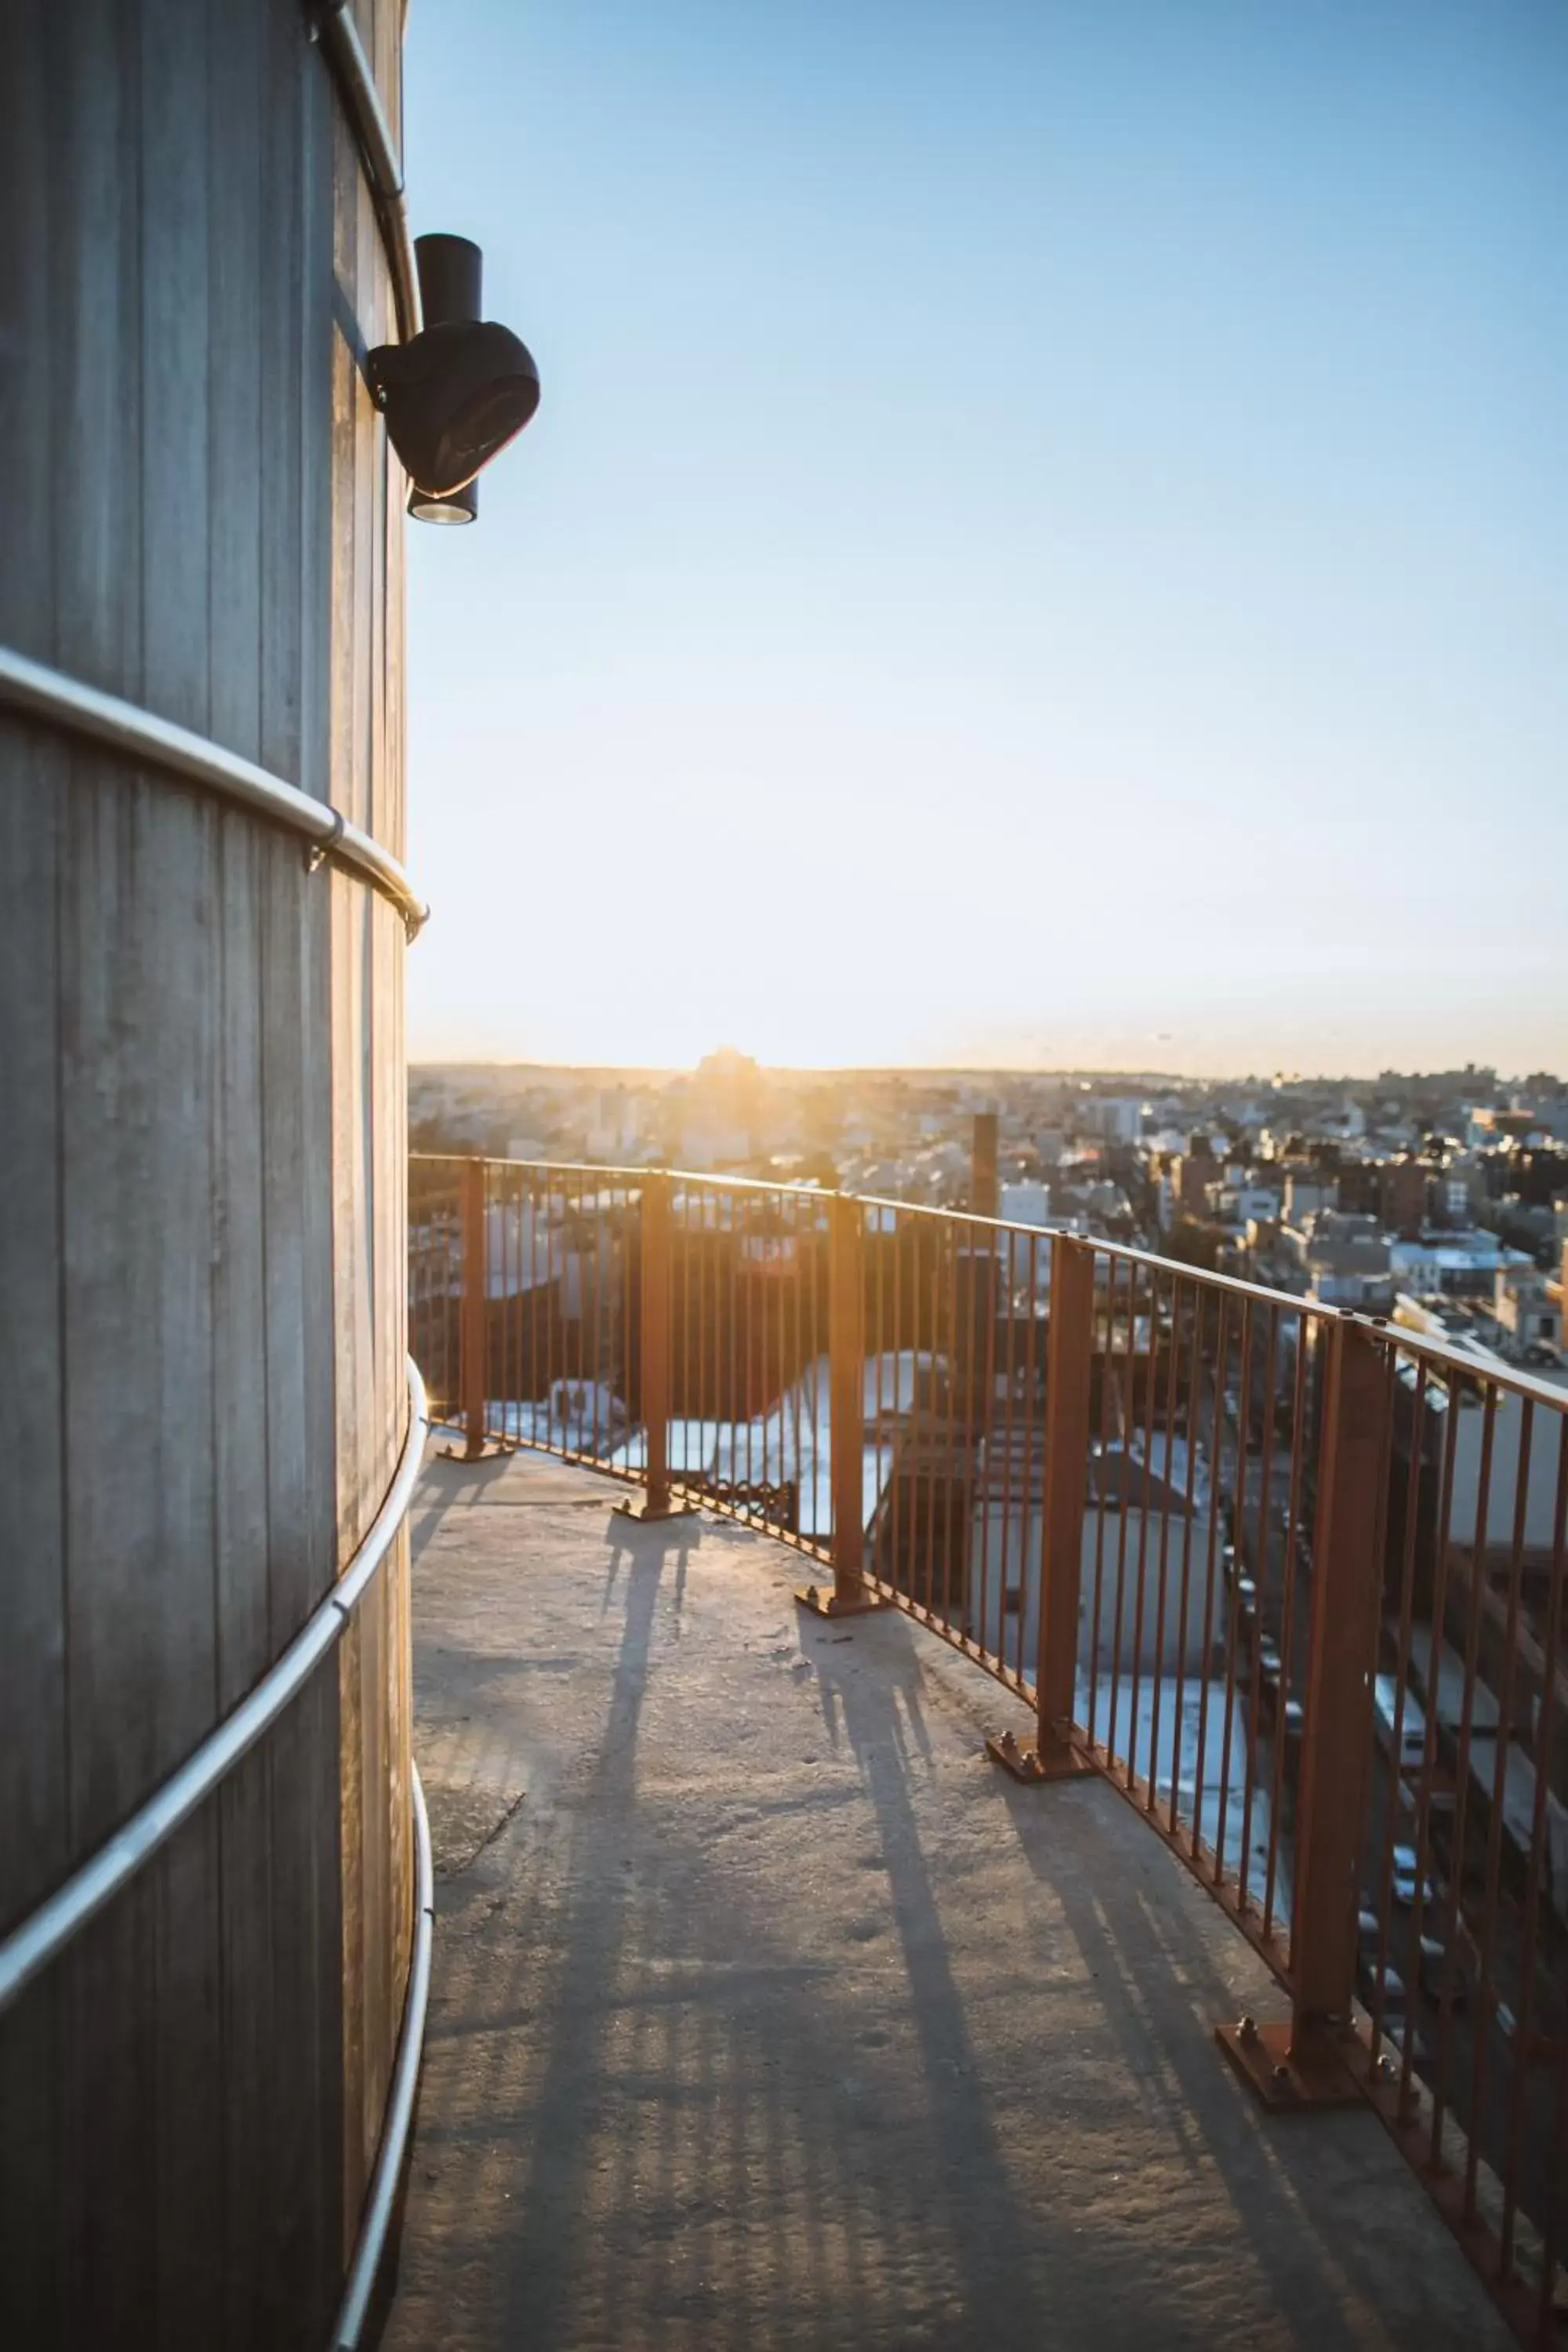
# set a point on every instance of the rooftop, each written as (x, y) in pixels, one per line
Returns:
(767, 2013)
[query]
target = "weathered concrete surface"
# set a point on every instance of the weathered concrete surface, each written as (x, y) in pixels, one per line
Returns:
(767, 2013)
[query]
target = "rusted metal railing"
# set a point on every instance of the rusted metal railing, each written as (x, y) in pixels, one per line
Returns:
(1289, 1579)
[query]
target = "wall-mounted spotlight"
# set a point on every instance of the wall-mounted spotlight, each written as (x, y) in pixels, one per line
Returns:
(459, 391)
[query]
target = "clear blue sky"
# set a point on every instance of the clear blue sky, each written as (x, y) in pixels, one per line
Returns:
(1046, 540)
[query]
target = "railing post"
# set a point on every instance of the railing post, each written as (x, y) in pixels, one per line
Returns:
(1303, 2063)
(847, 1410)
(984, 1191)
(473, 1322)
(656, 1341)
(654, 1301)
(1070, 1340)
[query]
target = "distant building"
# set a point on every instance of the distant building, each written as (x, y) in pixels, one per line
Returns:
(1464, 1265)
(1527, 1305)
(1241, 1203)
(1345, 1260)
(1026, 1204)
(1484, 1126)
(1191, 1173)
(1405, 1187)
(1346, 1125)
(1461, 1189)
(1307, 1196)
(1118, 1117)
(720, 1112)
(1145, 1499)
(615, 1128)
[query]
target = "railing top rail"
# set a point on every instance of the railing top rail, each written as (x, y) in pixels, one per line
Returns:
(1494, 1373)
(627, 1175)
(1402, 1338)
(1106, 1247)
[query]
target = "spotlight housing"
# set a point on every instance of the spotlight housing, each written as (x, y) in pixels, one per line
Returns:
(455, 394)
(452, 398)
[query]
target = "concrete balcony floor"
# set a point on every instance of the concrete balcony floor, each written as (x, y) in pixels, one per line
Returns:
(767, 2013)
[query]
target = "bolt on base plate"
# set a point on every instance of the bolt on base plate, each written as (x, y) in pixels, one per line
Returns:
(653, 1514)
(822, 1601)
(1313, 2074)
(1027, 1764)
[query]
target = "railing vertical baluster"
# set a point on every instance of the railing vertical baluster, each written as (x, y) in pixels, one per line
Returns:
(656, 1341)
(1069, 1344)
(1304, 2062)
(1263, 1579)
(1292, 1539)
(1162, 1597)
(955, 1440)
(654, 1273)
(1233, 1630)
(1126, 1407)
(847, 1379)
(473, 1322)
(1145, 1501)
(941, 1354)
(1189, 1513)
(1221, 1365)
(845, 1409)
(1501, 1749)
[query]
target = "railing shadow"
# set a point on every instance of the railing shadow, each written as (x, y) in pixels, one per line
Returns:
(705, 2103)
(1162, 1990)
(546, 2251)
(997, 2245)
(461, 1483)
(705, 2083)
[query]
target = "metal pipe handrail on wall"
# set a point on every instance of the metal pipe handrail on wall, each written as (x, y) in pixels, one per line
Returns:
(376, 2218)
(48, 695)
(29, 1948)
(1241, 1552)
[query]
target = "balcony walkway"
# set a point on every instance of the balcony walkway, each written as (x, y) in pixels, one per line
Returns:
(768, 2013)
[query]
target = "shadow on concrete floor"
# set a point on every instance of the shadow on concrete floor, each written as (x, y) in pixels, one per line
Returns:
(773, 2016)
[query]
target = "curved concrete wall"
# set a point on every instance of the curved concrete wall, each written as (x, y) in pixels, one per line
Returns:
(202, 1174)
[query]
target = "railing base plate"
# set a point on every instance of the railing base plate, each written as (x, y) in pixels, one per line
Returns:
(1027, 1764)
(655, 1513)
(1314, 2075)
(822, 1601)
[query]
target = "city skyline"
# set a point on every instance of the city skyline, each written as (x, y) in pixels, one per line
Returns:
(1150, 1072)
(1045, 543)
